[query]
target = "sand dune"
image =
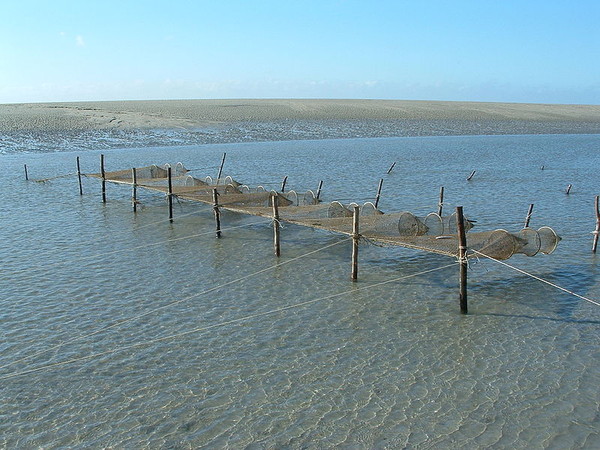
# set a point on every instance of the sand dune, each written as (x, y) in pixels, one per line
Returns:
(193, 114)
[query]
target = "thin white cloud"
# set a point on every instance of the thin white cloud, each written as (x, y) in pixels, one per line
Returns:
(79, 41)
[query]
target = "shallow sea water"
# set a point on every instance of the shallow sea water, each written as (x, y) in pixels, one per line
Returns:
(123, 330)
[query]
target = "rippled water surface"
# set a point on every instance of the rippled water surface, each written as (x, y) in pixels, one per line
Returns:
(123, 330)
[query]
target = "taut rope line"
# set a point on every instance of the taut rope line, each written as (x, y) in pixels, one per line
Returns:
(538, 278)
(175, 302)
(228, 322)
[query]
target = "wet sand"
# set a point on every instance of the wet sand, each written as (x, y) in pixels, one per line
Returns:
(194, 114)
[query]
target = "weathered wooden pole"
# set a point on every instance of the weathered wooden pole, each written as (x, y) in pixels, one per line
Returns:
(26, 174)
(283, 183)
(134, 189)
(103, 175)
(391, 167)
(170, 194)
(319, 189)
(378, 193)
(355, 239)
(216, 211)
(79, 177)
(462, 258)
(528, 217)
(276, 240)
(441, 202)
(221, 168)
(569, 189)
(471, 176)
(597, 230)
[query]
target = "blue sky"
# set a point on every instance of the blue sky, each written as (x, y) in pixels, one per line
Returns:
(479, 50)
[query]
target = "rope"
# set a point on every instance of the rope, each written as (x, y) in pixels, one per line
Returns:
(539, 279)
(175, 302)
(43, 180)
(209, 327)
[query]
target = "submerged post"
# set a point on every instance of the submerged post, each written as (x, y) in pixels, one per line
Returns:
(462, 258)
(134, 189)
(528, 217)
(79, 177)
(569, 189)
(441, 202)
(355, 239)
(283, 183)
(216, 211)
(221, 168)
(26, 174)
(170, 194)
(378, 193)
(391, 167)
(471, 176)
(276, 244)
(597, 230)
(103, 175)
(319, 189)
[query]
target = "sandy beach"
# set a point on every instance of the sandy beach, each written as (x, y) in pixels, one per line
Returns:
(193, 114)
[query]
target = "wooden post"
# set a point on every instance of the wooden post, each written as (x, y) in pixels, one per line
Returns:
(221, 168)
(79, 177)
(569, 188)
(597, 231)
(103, 175)
(471, 176)
(276, 243)
(134, 189)
(391, 167)
(319, 189)
(378, 193)
(283, 183)
(528, 217)
(355, 239)
(462, 258)
(26, 174)
(441, 202)
(170, 194)
(217, 212)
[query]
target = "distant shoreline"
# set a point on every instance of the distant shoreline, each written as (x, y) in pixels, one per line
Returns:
(195, 114)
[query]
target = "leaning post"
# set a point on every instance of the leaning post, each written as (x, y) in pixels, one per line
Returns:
(441, 202)
(378, 193)
(26, 174)
(355, 239)
(221, 168)
(319, 189)
(597, 230)
(528, 217)
(103, 175)
(462, 258)
(79, 177)
(276, 239)
(283, 183)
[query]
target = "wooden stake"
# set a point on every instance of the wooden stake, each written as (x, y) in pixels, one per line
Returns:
(276, 243)
(597, 231)
(441, 202)
(391, 167)
(355, 239)
(319, 189)
(134, 189)
(170, 194)
(528, 218)
(378, 193)
(471, 176)
(221, 168)
(79, 177)
(283, 183)
(569, 188)
(26, 174)
(462, 258)
(103, 175)
(217, 212)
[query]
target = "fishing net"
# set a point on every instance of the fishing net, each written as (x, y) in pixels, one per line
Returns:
(432, 233)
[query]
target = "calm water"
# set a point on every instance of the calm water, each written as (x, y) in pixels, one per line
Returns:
(149, 334)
